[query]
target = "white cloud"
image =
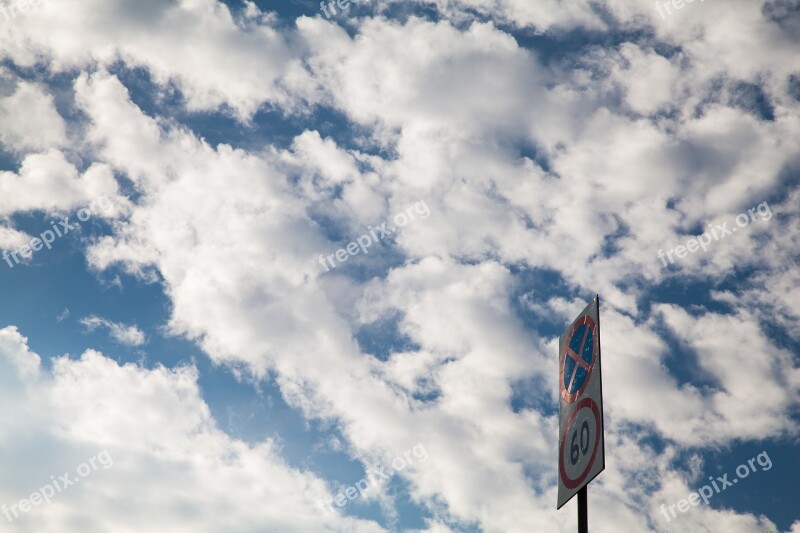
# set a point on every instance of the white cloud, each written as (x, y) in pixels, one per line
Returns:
(124, 334)
(248, 292)
(584, 168)
(174, 470)
(28, 118)
(12, 239)
(196, 44)
(47, 181)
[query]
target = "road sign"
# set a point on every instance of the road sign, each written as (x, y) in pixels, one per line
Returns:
(581, 451)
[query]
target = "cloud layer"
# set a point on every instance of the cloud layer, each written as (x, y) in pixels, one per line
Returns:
(558, 147)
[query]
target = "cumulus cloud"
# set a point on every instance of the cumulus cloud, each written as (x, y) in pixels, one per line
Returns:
(173, 469)
(124, 334)
(48, 181)
(12, 239)
(575, 167)
(28, 117)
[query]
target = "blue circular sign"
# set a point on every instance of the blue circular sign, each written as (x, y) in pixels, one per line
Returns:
(578, 358)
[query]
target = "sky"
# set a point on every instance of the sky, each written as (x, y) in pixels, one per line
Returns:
(268, 267)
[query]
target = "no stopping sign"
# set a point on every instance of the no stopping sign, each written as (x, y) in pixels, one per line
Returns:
(578, 358)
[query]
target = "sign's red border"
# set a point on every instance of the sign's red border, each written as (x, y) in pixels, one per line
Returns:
(574, 483)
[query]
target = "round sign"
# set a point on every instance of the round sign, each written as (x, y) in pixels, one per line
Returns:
(578, 449)
(577, 361)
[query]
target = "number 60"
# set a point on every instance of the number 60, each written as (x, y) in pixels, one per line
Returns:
(574, 450)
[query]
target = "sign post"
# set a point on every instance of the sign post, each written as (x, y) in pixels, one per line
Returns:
(581, 449)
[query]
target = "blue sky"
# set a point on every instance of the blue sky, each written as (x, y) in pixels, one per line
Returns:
(524, 156)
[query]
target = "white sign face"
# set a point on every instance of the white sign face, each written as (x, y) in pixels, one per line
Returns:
(581, 454)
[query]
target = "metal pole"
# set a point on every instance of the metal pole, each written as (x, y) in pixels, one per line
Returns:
(583, 516)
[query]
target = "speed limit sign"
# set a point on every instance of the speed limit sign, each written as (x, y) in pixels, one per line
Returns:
(581, 455)
(579, 450)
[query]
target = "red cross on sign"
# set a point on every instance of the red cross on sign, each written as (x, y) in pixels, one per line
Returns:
(577, 361)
